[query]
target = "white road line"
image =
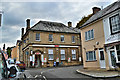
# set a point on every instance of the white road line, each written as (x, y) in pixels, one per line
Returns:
(44, 77)
(41, 72)
(36, 76)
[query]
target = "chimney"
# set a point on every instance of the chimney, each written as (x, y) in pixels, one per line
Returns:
(22, 32)
(95, 9)
(69, 24)
(28, 24)
(4, 47)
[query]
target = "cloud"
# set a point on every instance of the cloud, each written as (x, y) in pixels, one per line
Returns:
(16, 13)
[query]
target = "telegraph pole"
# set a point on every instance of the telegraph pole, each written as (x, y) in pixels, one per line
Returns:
(1, 20)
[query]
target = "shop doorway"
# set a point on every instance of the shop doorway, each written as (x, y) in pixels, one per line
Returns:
(113, 59)
(37, 61)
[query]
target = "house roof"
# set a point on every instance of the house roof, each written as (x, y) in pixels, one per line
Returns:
(113, 7)
(53, 27)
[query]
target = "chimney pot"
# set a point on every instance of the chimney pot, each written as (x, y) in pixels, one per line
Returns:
(69, 24)
(95, 9)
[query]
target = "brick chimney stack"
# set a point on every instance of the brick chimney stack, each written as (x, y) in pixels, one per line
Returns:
(4, 47)
(69, 24)
(95, 9)
(22, 30)
(28, 24)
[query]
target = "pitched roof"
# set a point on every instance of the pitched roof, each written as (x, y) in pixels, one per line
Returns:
(102, 13)
(54, 27)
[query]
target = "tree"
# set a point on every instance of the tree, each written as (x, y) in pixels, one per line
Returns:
(9, 51)
(83, 20)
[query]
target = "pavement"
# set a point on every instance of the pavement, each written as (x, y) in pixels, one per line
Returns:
(99, 73)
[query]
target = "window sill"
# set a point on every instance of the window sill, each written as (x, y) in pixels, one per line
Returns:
(73, 59)
(73, 42)
(63, 60)
(63, 41)
(92, 61)
(50, 59)
(89, 40)
(37, 40)
(51, 41)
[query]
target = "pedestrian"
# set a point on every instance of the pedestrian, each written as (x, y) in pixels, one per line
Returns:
(54, 64)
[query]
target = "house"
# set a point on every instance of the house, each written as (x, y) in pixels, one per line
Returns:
(100, 37)
(15, 51)
(48, 42)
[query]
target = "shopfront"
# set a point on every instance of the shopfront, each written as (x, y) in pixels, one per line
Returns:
(114, 55)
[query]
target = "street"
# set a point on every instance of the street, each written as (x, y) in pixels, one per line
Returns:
(57, 73)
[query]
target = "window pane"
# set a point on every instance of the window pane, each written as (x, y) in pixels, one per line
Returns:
(115, 23)
(89, 35)
(117, 47)
(62, 38)
(92, 34)
(87, 56)
(90, 56)
(73, 38)
(73, 56)
(94, 55)
(85, 35)
(62, 56)
(50, 37)
(37, 36)
(50, 56)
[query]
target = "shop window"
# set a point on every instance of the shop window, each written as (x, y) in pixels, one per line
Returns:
(73, 54)
(62, 54)
(118, 52)
(50, 54)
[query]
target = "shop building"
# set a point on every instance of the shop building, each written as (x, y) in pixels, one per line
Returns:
(48, 42)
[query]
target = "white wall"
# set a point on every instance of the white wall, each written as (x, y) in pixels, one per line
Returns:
(108, 37)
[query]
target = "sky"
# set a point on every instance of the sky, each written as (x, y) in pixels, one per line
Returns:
(15, 13)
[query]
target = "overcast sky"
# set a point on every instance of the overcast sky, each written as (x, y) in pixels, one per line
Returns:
(16, 13)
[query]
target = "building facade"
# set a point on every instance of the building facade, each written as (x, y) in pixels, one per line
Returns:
(15, 51)
(100, 38)
(47, 43)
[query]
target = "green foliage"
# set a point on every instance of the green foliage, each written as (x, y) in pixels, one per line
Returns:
(83, 20)
(9, 52)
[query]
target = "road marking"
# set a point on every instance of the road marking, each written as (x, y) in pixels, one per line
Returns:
(41, 72)
(36, 76)
(44, 77)
(29, 76)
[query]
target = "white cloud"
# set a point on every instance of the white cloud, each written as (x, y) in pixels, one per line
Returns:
(15, 14)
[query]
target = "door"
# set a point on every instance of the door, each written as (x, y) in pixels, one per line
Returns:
(113, 58)
(102, 58)
(37, 60)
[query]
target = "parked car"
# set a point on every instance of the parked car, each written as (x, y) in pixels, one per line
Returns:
(21, 64)
(3, 66)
